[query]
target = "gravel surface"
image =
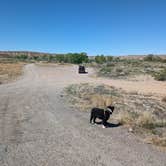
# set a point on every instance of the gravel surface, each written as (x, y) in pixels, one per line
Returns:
(38, 129)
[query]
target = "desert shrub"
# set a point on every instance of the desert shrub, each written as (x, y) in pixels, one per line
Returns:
(149, 57)
(152, 57)
(164, 60)
(100, 59)
(126, 117)
(116, 59)
(105, 70)
(101, 101)
(161, 75)
(88, 96)
(119, 70)
(110, 64)
(146, 120)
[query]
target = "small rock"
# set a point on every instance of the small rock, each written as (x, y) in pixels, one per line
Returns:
(130, 129)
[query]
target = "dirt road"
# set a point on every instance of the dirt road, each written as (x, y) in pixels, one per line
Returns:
(38, 129)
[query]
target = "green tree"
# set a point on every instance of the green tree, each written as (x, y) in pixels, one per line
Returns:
(100, 59)
(77, 58)
(22, 57)
(60, 58)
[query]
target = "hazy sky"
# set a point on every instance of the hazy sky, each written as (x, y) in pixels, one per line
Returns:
(114, 27)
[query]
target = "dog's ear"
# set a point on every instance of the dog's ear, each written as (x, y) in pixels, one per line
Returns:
(112, 108)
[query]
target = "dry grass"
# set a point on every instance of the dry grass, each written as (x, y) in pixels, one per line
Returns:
(129, 69)
(86, 96)
(101, 100)
(126, 118)
(10, 71)
(146, 120)
(144, 114)
(49, 64)
(156, 140)
(164, 99)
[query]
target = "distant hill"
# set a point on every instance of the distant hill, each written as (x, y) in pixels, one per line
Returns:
(8, 54)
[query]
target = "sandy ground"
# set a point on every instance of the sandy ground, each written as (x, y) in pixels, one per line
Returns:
(38, 129)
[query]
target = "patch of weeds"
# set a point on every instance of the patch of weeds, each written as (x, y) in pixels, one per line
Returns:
(130, 68)
(126, 117)
(146, 120)
(10, 71)
(145, 114)
(160, 76)
(89, 95)
(156, 140)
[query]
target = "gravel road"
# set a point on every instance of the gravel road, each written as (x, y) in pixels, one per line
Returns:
(38, 129)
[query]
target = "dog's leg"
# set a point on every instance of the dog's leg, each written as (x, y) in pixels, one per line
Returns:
(104, 123)
(94, 120)
(91, 117)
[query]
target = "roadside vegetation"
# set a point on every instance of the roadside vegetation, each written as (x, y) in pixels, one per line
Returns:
(74, 58)
(145, 115)
(117, 68)
(106, 66)
(10, 71)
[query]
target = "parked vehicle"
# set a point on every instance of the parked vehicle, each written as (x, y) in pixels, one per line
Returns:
(81, 69)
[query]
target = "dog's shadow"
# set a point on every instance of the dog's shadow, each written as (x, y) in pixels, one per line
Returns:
(110, 125)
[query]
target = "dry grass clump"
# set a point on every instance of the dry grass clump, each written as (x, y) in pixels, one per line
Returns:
(87, 96)
(160, 75)
(156, 140)
(164, 99)
(10, 71)
(126, 118)
(100, 100)
(146, 120)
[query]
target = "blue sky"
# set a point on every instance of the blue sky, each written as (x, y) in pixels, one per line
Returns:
(111, 27)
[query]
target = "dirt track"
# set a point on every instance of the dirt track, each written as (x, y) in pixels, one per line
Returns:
(38, 129)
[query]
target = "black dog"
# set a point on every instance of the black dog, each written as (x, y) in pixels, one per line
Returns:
(101, 114)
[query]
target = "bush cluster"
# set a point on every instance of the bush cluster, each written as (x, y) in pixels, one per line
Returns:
(153, 58)
(161, 75)
(100, 59)
(75, 58)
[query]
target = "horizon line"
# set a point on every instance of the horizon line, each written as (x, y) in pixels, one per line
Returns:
(42, 52)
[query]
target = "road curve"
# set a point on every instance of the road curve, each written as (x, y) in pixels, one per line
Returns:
(38, 129)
